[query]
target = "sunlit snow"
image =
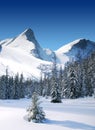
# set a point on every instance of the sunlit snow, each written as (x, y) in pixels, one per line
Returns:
(77, 114)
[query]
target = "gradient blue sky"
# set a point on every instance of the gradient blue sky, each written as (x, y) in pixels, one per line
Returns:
(54, 22)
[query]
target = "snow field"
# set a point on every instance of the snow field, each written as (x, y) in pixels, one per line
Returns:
(76, 114)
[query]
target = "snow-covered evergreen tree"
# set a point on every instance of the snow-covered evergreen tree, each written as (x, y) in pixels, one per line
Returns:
(2, 88)
(55, 91)
(11, 88)
(16, 87)
(64, 92)
(35, 112)
(21, 85)
(91, 74)
(60, 80)
(7, 84)
(73, 83)
(55, 94)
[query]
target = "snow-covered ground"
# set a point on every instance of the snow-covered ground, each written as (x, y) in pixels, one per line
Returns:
(78, 114)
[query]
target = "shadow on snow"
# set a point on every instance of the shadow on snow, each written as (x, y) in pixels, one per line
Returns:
(70, 124)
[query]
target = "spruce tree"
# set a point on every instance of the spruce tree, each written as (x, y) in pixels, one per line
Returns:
(16, 87)
(35, 112)
(2, 87)
(73, 83)
(55, 91)
(64, 92)
(11, 88)
(7, 84)
(21, 85)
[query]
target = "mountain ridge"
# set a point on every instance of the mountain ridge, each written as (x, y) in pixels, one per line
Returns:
(82, 47)
(24, 54)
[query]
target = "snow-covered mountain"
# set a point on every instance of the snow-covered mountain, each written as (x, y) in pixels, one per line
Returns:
(23, 54)
(76, 50)
(26, 41)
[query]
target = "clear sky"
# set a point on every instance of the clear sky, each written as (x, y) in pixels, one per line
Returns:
(54, 22)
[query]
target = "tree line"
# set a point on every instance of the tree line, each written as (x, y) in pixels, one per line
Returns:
(77, 79)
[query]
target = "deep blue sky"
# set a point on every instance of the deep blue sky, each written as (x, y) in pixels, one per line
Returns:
(54, 22)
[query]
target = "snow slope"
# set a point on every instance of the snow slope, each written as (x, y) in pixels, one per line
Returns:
(17, 60)
(78, 114)
(23, 54)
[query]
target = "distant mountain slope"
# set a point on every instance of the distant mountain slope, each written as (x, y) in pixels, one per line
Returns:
(23, 54)
(80, 48)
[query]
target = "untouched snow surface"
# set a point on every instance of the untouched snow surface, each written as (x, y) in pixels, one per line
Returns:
(76, 114)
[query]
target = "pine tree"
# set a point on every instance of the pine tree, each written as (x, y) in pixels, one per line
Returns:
(60, 77)
(46, 85)
(16, 87)
(35, 112)
(92, 69)
(41, 85)
(2, 87)
(55, 94)
(11, 88)
(73, 83)
(64, 92)
(21, 85)
(7, 84)
(55, 91)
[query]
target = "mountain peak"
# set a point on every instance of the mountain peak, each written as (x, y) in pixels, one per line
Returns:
(28, 30)
(80, 48)
(28, 34)
(83, 44)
